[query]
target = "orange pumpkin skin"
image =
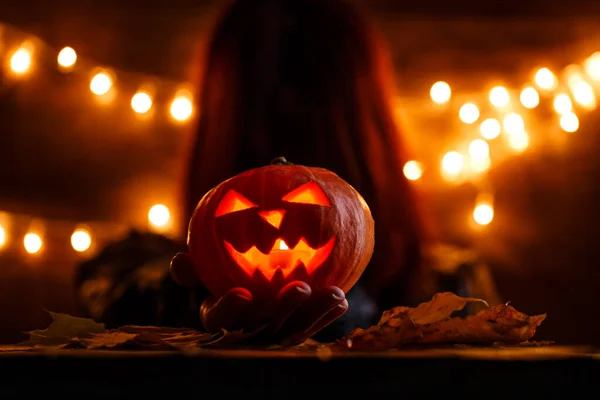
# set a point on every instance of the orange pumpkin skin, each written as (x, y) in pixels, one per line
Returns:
(280, 223)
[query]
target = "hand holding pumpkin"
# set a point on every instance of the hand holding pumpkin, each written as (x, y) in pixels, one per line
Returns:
(295, 314)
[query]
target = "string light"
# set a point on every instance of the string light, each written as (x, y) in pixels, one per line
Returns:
(20, 62)
(181, 107)
(100, 83)
(469, 113)
(141, 102)
(499, 96)
(452, 164)
(2, 236)
(592, 66)
(569, 122)
(490, 128)
(66, 58)
(562, 103)
(32, 243)
(513, 123)
(159, 216)
(518, 140)
(583, 94)
(413, 170)
(440, 92)
(530, 98)
(545, 79)
(81, 240)
(483, 214)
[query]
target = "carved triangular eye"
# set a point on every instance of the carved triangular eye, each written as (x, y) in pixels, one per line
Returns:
(232, 202)
(309, 193)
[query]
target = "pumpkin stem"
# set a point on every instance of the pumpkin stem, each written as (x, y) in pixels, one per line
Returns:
(280, 161)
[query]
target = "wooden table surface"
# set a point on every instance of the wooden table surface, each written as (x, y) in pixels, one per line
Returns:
(300, 373)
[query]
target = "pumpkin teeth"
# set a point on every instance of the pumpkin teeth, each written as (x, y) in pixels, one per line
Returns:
(281, 257)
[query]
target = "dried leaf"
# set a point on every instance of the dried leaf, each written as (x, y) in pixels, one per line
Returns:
(440, 308)
(431, 323)
(500, 323)
(62, 329)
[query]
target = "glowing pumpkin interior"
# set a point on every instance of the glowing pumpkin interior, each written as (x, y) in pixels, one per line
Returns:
(281, 256)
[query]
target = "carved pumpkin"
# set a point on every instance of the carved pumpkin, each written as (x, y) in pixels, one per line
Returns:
(272, 225)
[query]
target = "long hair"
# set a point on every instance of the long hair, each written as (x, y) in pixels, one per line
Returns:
(309, 80)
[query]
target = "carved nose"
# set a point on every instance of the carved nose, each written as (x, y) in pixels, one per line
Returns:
(273, 217)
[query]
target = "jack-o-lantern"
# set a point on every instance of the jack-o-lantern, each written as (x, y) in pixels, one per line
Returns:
(272, 225)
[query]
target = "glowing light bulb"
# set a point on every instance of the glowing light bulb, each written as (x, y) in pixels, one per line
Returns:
(479, 149)
(141, 102)
(181, 108)
(440, 92)
(518, 140)
(412, 170)
(159, 215)
(592, 66)
(499, 96)
(469, 113)
(2, 236)
(584, 95)
(483, 214)
(452, 163)
(562, 103)
(569, 122)
(81, 240)
(513, 123)
(545, 79)
(32, 243)
(100, 83)
(530, 98)
(20, 62)
(67, 58)
(490, 128)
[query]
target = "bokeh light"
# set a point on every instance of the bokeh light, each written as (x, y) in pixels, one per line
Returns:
(545, 79)
(469, 113)
(67, 58)
(32, 243)
(569, 122)
(530, 97)
(483, 214)
(159, 215)
(413, 170)
(101, 83)
(81, 240)
(518, 141)
(141, 102)
(583, 94)
(181, 108)
(20, 62)
(440, 92)
(513, 123)
(452, 163)
(562, 103)
(499, 96)
(591, 66)
(2, 236)
(490, 128)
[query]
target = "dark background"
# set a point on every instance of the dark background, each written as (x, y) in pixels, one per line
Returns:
(66, 159)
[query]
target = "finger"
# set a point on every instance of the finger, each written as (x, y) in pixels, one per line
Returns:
(319, 305)
(224, 313)
(289, 299)
(331, 316)
(182, 270)
(334, 314)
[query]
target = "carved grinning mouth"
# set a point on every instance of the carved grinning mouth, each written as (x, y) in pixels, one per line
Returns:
(281, 257)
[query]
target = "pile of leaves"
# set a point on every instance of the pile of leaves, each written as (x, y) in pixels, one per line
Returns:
(430, 323)
(433, 323)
